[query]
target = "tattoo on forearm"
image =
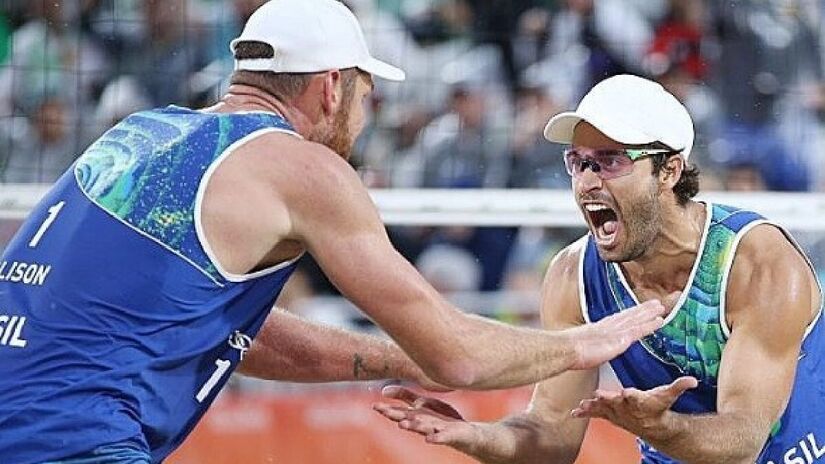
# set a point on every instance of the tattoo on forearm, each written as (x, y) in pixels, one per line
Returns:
(357, 365)
(360, 368)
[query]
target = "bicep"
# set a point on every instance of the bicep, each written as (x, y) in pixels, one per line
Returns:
(770, 298)
(338, 223)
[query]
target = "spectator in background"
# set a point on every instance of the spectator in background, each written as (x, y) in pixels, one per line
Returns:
(677, 59)
(122, 97)
(449, 269)
(565, 51)
(530, 39)
(677, 42)
(535, 164)
(590, 41)
(226, 20)
(768, 53)
(466, 147)
(438, 21)
(41, 149)
(51, 56)
(172, 49)
(5, 37)
(495, 22)
(744, 177)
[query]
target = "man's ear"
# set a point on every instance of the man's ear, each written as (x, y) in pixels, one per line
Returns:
(331, 92)
(671, 172)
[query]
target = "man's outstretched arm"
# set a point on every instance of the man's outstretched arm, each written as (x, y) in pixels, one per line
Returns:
(293, 349)
(332, 214)
(545, 432)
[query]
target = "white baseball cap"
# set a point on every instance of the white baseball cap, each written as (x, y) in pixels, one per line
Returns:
(310, 36)
(630, 110)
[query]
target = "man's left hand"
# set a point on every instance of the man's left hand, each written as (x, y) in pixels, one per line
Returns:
(642, 412)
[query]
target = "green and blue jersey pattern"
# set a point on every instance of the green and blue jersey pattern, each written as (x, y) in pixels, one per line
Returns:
(693, 339)
(141, 171)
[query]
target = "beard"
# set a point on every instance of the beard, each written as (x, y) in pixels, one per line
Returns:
(337, 138)
(641, 222)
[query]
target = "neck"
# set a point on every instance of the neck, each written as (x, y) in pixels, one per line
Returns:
(247, 98)
(668, 262)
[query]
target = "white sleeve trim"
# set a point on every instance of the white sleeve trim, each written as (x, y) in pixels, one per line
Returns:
(729, 265)
(584, 241)
(207, 248)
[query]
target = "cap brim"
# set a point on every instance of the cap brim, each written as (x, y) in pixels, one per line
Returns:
(383, 70)
(561, 126)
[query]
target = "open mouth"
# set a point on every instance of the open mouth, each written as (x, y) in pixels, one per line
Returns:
(604, 222)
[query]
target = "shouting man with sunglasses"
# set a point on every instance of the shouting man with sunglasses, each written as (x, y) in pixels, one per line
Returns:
(734, 375)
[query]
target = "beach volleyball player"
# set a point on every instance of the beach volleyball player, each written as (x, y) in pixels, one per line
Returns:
(137, 285)
(736, 373)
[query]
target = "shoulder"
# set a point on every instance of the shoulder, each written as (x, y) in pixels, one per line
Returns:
(560, 301)
(770, 280)
(566, 261)
(295, 166)
(767, 248)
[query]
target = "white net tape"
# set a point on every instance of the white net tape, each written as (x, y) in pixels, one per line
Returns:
(546, 208)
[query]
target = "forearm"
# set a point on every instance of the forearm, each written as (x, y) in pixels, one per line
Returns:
(713, 438)
(293, 349)
(492, 355)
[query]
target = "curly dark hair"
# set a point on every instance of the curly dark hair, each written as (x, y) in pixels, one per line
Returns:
(688, 184)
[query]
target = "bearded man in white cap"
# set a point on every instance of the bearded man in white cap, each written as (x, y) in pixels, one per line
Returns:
(734, 375)
(137, 285)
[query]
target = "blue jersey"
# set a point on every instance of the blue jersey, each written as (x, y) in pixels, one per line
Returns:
(116, 322)
(694, 335)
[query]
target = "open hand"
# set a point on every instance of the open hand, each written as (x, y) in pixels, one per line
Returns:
(594, 344)
(436, 420)
(642, 412)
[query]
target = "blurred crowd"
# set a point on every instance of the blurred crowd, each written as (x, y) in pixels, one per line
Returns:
(483, 78)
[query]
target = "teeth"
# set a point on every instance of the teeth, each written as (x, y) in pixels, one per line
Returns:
(595, 207)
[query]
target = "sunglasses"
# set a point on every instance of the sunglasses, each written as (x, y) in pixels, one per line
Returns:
(607, 163)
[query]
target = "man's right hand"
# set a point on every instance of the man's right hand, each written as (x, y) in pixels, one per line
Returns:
(594, 344)
(439, 422)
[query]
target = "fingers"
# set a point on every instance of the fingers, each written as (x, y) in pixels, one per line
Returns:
(679, 386)
(592, 408)
(438, 407)
(400, 393)
(645, 313)
(644, 328)
(598, 406)
(671, 299)
(649, 313)
(649, 309)
(391, 412)
(410, 419)
(683, 384)
(422, 424)
(641, 320)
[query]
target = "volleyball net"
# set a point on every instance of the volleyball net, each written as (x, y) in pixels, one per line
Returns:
(802, 212)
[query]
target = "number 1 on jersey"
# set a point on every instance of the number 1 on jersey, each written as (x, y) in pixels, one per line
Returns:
(46, 224)
(222, 367)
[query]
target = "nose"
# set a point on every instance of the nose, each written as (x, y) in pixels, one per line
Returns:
(588, 181)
